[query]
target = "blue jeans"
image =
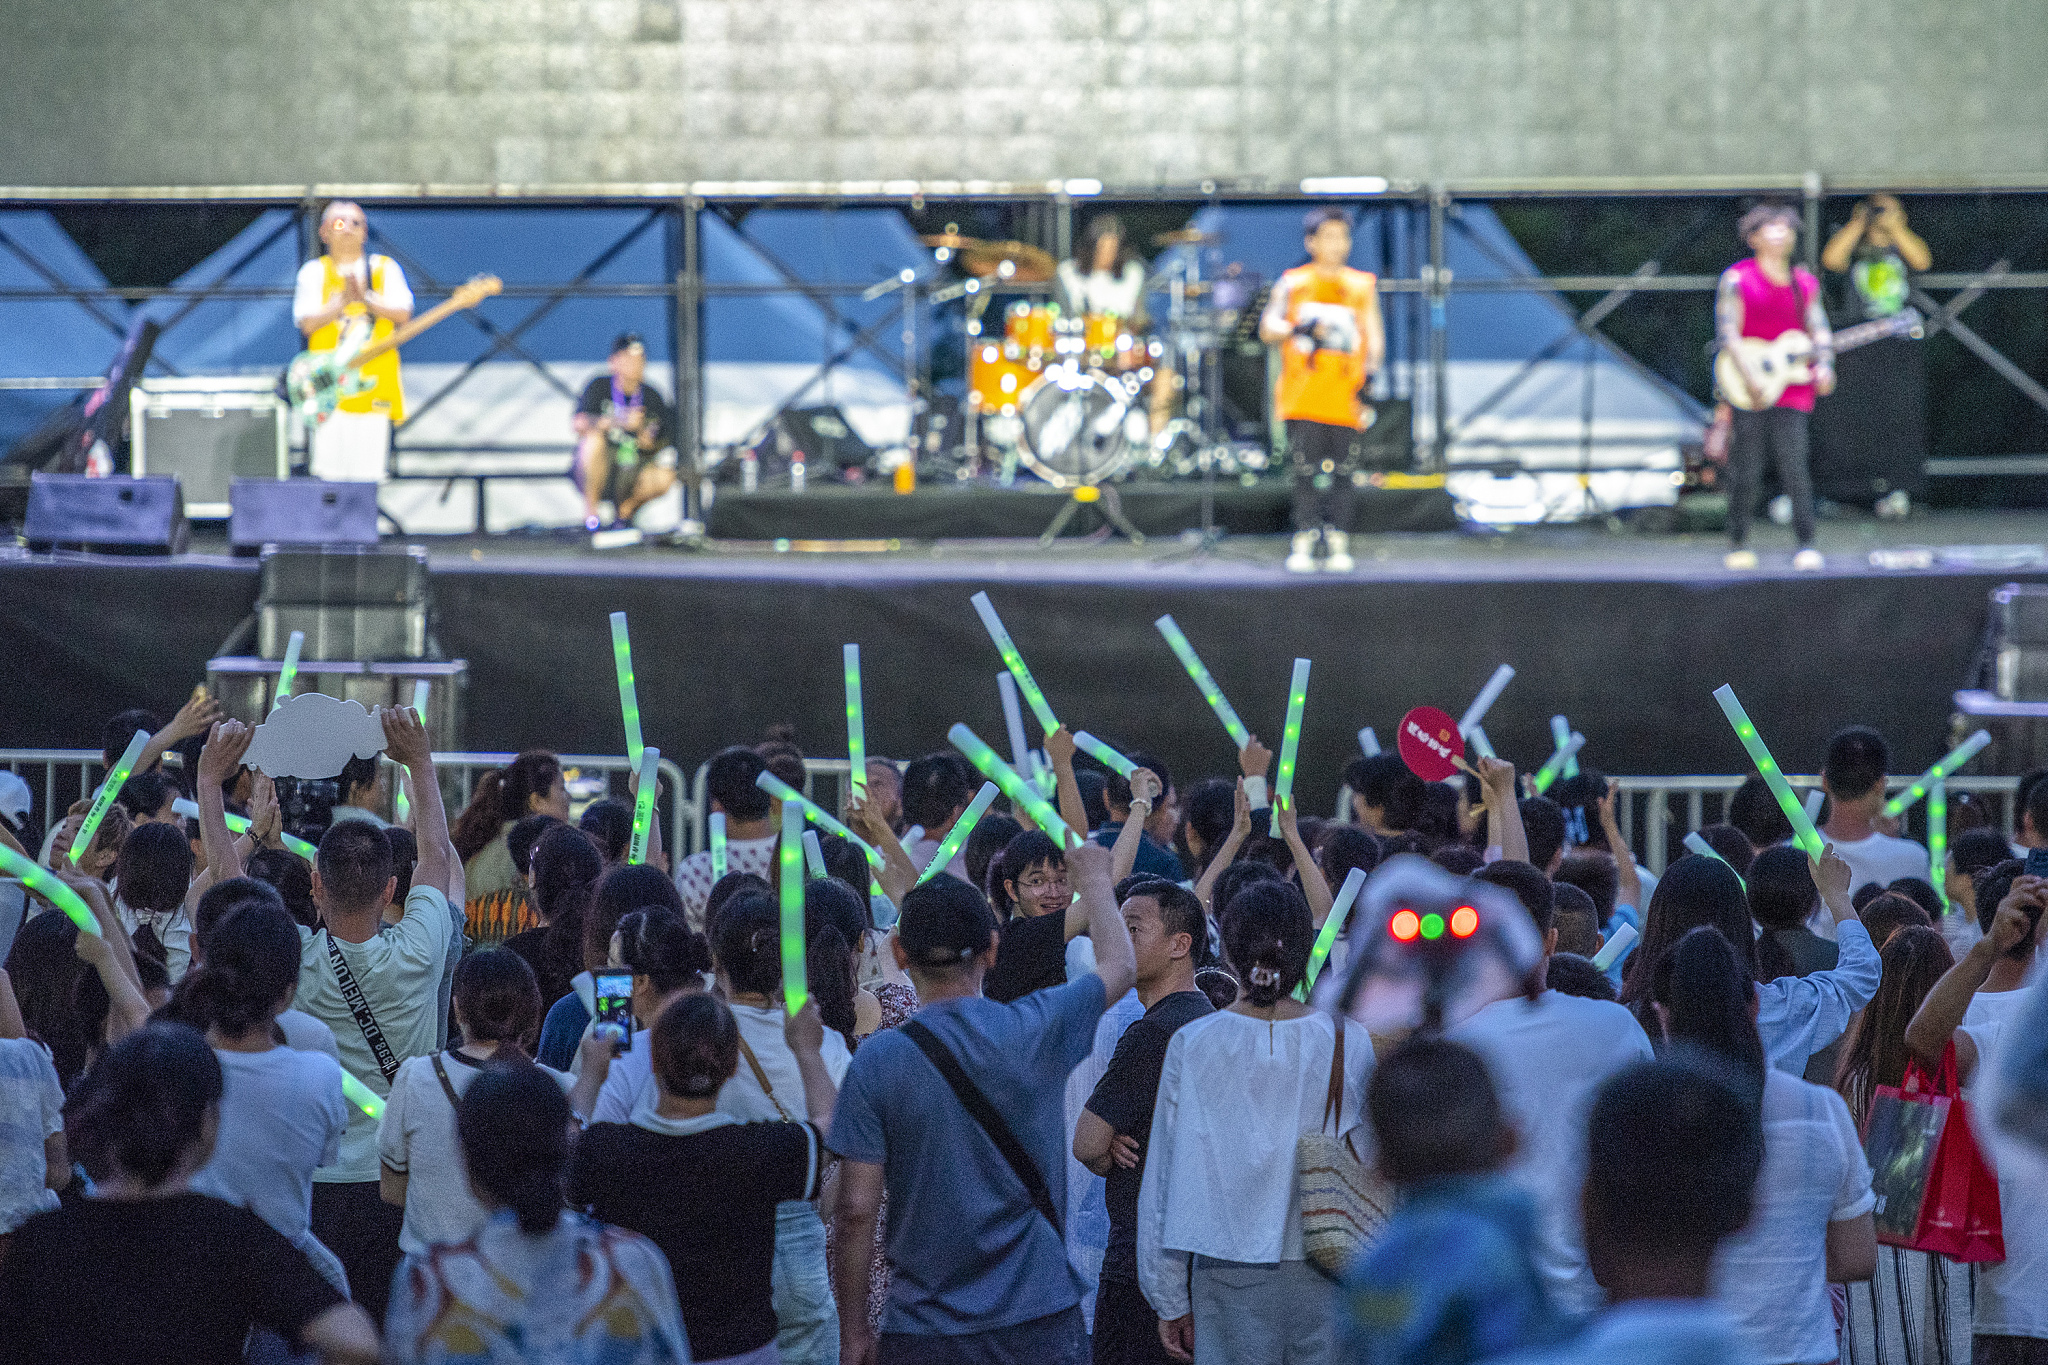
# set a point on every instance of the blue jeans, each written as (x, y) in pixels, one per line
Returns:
(807, 1320)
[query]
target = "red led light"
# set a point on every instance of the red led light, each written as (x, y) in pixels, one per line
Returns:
(1405, 925)
(1464, 922)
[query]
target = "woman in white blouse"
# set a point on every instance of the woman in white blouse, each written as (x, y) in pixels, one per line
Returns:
(1238, 1091)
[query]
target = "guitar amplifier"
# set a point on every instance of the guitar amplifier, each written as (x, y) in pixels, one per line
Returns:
(209, 432)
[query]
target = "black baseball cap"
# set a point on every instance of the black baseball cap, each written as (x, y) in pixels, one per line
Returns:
(626, 341)
(945, 922)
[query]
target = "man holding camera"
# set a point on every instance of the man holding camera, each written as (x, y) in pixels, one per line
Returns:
(623, 429)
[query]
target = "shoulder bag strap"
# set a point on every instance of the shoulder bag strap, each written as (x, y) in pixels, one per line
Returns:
(761, 1075)
(352, 996)
(982, 1112)
(447, 1086)
(1333, 1105)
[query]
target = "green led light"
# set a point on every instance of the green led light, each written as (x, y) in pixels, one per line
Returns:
(856, 725)
(109, 789)
(1954, 759)
(45, 883)
(1290, 743)
(643, 805)
(629, 696)
(1803, 833)
(1432, 925)
(717, 823)
(1013, 785)
(790, 796)
(963, 829)
(1211, 693)
(1095, 748)
(1332, 930)
(790, 856)
(1014, 661)
(361, 1096)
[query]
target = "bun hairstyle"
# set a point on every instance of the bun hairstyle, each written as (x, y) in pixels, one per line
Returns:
(746, 943)
(1267, 934)
(499, 998)
(659, 944)
(503, 795)
(142, 1107)
(251, 961)
(513, 1122)
(696, 1047)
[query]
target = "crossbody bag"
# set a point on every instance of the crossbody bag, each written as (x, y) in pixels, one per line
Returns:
(352, 996)
(991, 1121)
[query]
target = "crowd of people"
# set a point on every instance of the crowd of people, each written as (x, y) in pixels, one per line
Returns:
(1062, 1099)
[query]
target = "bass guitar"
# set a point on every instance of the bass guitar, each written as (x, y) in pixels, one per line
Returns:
(316, 381)
(1787, 358)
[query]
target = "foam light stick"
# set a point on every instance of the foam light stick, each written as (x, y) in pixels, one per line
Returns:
(1290, 742)
(1332, 930)
(361, 1096)
(1021, 757)
(956, 837)
(1937, 839)
(1554, 766)
(45, 883)
(1014, 661)
(288, 676)
(1615, 948)
(401, 805)
(1816, 801)
(1211, 693)
(1803, 832)
(717, 823)
(1924, 784)
(1013, 784)
(239, 824)
(629, 695)
(1369, 743)
(814, 854)
(790, 796)
(1481, 745)
(643, 804)
(856, 725)
(1108, 757)
(1488, 695)
(109, 789)
(1697, 843)
(790, 855)
(1560, 734)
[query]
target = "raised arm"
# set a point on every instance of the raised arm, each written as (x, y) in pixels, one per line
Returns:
(1115, 961)
(1059, 749)
(405, 739)
(1226, 852)
(1123, 855)
(1841, 246)
(194, 717)
(1504, 811)
(897, 874)
(1628, 882)
(1313, 886)
(1941, 1013)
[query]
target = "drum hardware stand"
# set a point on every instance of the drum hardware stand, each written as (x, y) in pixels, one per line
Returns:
(1103, 497)
(1206, 376)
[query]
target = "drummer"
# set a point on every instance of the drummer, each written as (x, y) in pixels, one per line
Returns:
(1103, 277)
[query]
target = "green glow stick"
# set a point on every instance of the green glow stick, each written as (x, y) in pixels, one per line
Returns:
(856, 725)
(1937, 839)
(643, 804)
(1697, 842)
(1110, 758)
(401, 806)
(1554, 766)
(1481, 745)
(790, 855)
(1803, 832)
(717, 823)
(629, 695)
(790, 796)
(45, 883)
(109, 789)
(956, 837)
(1014, 661)
(1616, 947)
(1369, 743)
(1021, 793)
(1560, 735)
(1927, 781)
(361, 1096)
(1211, 693)
(239, 824)
(1333, 928)
(814, 854)
(1290, 742)
(288, 676)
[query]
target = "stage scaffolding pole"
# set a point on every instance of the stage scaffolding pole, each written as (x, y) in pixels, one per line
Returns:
(1814, 191)
(689, 349)
(1437, 279)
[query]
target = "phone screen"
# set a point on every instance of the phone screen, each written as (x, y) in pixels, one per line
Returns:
(615, 1005)
(2037, 862)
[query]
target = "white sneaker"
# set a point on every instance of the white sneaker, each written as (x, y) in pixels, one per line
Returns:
(1340, 560)
(1303, 557)
(1896, 503)
(1809, 560)
(1740, 560)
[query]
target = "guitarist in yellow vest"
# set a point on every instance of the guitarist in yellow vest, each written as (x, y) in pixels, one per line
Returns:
(349, 288)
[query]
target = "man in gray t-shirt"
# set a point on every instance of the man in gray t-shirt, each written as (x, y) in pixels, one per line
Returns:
(977, 1272)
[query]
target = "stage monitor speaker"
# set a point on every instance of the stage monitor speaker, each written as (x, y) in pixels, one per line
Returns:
(302, 512)
(140, 516)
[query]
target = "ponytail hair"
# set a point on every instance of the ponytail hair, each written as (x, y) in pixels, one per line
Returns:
(513, 1123)
(565, 871)
(746, 942)
(1706, 994)
(1267, 934)
(251, 962)
(502, 795)
(141, 1110)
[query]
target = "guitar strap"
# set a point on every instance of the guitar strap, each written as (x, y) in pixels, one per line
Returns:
(352, 996)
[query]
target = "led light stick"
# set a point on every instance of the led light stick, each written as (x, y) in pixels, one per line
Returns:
(956, 837)
(1481, 745)
(1816, 801)
(1110, 758)
(1290, 743)
(239, 824)
(717, 823)
(109, 789)
(790, 853)
(401, 805)
(790, 796)
(856, 725)
(643, 804)
(1615, 948)
(288, 676)
(1333, 929)
(814, 854)
(45, 883)
(1488, 695)
(1021, 793)
(1560, 734)
(1014, 661)
(1211, 693)
(1803, 832)
(629, 696)
(361, 1096)
(1926, 782)
(1697, 842)
(1021, 757)
(1937, 838)
(1369, 742)
(1554, 766)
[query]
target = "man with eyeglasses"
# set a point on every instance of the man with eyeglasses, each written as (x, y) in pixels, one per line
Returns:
(343, 290)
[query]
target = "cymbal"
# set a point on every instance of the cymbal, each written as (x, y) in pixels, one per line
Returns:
(1185, 237)
(952, 241)
(1028, 264)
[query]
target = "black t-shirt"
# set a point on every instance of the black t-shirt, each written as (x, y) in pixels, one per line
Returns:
(1124, 1099)
(658, 425)
(548, 974)
(148, 1280)
(708, 1201)
(1031, 955)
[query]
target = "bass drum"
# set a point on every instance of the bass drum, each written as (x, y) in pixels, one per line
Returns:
(1081, 426)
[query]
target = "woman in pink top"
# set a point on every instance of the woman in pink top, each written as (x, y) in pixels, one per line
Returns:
(1762, 298)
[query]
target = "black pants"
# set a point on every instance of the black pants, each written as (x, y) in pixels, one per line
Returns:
(1126, 1327)
(1323, 457)
(355, 1223)
(1782, 433)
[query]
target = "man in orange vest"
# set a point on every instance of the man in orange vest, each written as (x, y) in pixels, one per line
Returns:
(1325, 319)
(348, 288)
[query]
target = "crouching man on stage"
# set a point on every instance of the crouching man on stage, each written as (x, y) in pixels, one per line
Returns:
(343, 288)
(624, 450)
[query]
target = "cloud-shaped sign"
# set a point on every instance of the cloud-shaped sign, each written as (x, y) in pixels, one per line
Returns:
(314, 735)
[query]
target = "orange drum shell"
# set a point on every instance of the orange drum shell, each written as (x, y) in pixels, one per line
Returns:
(989, 364)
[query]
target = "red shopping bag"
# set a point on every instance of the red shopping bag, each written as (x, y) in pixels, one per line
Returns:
(1935, 1192)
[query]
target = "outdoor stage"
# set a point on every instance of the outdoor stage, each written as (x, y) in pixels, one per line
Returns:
(1626, 634)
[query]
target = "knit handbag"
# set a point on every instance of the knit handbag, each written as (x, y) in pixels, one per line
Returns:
(1344, 1202)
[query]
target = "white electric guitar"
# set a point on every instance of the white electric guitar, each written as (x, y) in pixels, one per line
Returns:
(1787, 359)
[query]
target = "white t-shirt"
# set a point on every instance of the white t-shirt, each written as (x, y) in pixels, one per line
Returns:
(2012, 1295)
(399, 974)
(307, 300)
(694, 880)
(304, 1033)
(1546, 1060)
(418, 1140)
(921, 850)
(1882, 859)
(281, 1115)
(1121, 292)
(31, 1111)
(631, 1078)
(1773, 1274)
